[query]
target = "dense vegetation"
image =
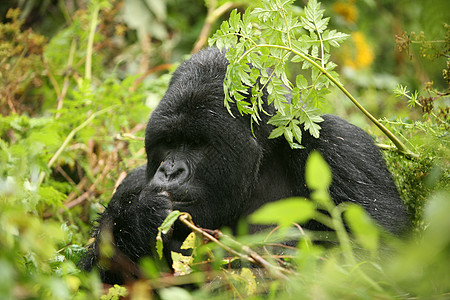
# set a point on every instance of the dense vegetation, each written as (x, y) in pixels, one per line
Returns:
(78, 80)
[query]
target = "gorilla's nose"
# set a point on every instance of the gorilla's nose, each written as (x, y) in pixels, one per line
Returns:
(173, 172)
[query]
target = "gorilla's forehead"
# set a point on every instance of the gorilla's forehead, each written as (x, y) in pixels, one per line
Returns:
(189, 119)
(194, 99)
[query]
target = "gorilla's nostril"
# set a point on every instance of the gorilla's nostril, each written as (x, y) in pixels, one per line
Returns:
(173, 170)
(178, 173)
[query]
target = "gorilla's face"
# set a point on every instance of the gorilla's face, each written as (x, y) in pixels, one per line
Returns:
(200, 157)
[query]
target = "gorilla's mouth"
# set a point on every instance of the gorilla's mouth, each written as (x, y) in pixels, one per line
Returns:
(183, 201)
(165, 194)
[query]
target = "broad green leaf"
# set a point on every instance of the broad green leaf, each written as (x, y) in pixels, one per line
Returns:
(318, 173)
(362, 226)
(168, 222)
(284, 212)
(164, 228)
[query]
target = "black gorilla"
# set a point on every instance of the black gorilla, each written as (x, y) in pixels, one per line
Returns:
(203, 161)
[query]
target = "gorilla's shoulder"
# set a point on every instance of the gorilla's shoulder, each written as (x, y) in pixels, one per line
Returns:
(135, 177)
(131, 186)
(335, 125)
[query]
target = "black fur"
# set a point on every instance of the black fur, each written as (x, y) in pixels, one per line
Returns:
(203, 161)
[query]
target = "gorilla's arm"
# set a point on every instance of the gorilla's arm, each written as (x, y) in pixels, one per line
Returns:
(130, 223)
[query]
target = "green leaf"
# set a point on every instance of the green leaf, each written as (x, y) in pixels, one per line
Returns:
(318, 173)
(174, 292)
(284, 212)
(168, 222)
(310, 117)
(276, 132)
(301, 82)
(295, 96)
(234, 20)
(334, 38)
(288, 135)
(362, 226)
(164, 228)
(297, 133)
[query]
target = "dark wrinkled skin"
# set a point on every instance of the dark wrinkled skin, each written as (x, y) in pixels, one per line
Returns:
(203, 161)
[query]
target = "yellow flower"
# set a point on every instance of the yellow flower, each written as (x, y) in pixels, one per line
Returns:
(347, 10)
(361, 55)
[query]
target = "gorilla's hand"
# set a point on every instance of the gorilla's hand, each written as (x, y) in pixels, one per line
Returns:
(130, 225)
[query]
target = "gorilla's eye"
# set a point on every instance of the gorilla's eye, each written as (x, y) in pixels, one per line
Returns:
(197, 142)
(168, 140)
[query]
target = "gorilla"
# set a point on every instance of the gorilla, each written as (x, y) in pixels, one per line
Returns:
(204, 161)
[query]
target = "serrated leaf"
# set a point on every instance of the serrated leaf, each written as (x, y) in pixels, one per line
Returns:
(310, 117)
(296, 146)
(234, 19)
(334, 38)
(297, 132)
(279, 120)
(288, 135)
(321, 25)
(314, 129)
(301, 82)
(276, 132)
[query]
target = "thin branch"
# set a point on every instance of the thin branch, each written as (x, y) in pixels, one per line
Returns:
(213, 14)
(251, 256)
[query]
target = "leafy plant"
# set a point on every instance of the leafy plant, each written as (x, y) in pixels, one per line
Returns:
(271, 46)
(20, 65)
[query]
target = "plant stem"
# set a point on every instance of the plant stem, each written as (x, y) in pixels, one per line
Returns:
(214, 13)
(252, 257)
(90, 45)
